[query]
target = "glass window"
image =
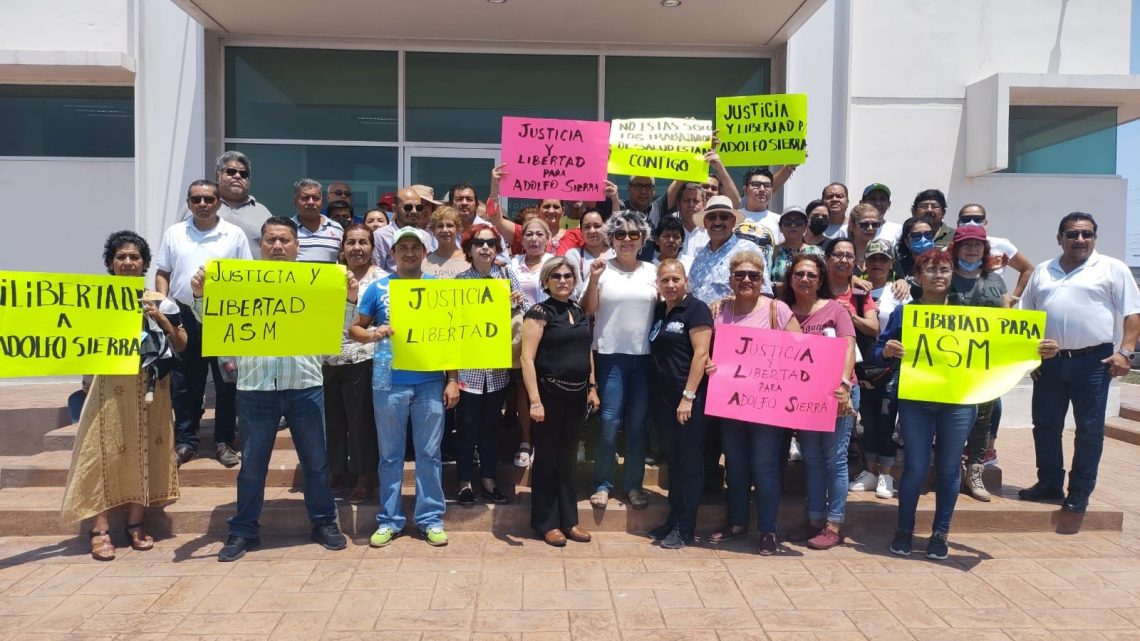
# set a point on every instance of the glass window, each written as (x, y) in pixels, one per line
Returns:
(641, 87)
(67, 121)
(1062, 140)
(453, 97)
(369, 172)
(311, 94)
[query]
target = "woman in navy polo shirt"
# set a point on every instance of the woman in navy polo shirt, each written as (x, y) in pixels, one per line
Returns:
(679, 344)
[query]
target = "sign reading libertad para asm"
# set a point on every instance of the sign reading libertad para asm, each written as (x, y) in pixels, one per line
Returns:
(549, 158)
(272, 308)
(776, 378)
(966, 355)
(55, 324)
(762, 130)
(442, 324)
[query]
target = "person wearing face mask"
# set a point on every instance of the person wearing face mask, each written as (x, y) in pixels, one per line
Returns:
(917, 239)
(1002, 252)
(818, 223)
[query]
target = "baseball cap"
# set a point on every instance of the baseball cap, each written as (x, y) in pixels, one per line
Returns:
(407, 232)
(969, 232)
(877, 187)
(388, 199)
(880, 246)
(793, 210)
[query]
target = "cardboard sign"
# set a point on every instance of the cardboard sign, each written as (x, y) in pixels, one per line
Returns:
(548, 158)
(450, 324)
(272, 308)
(762, 130)
(966, 355)
(57, 324)
(661, 147)
(773, 377)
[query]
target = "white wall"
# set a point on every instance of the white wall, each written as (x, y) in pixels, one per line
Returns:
(71, 204)
(68, 25)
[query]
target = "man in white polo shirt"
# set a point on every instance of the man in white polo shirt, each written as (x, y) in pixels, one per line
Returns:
(186, 246)
(1086, 296)
(318, 235)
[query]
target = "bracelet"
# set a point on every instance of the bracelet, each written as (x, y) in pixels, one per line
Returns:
(452, 380)
(538, 404)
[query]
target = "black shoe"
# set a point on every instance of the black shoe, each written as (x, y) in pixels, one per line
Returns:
(936, 547)
(495, 495)
(184, 454)
(660, 532)
(466, 497)
(674, 540)
(330, 536)
(1076, 504)
(768, 544)
(226, 455)
(901, 544)
(1041, 492)
(236, 547)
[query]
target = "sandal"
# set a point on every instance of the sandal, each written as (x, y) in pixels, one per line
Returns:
(140, 540)
(599, 499)
(102, 549)
(523, 455)
(727, 533)
(638, 499)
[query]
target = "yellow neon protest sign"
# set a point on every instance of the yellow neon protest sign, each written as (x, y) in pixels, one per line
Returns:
(56, 324)
(661, 147)
(762, 130)
(442, 324)
(272, 308)
(966, 355)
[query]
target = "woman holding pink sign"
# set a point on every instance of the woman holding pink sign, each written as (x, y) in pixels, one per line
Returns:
(807, 291)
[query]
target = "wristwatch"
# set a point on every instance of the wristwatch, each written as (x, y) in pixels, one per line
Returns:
(1125, 353)
(689, 395)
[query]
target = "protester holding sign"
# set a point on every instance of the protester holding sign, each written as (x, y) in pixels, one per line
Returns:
(482, 391)
(549, 211)
(679, 343)
(807, 292)
(926, 423)
(122, 452)
(597, 244)
(621, 295)
(423, 396)
(558, 371)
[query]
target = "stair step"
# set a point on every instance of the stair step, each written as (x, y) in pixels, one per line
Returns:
(1123, 429)
(1129, 412)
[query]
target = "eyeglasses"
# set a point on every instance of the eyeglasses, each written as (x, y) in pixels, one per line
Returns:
(843, 256)
(805, 275)
(966, 220)
(209, 200)
(797, 222)
(341, 192)
(919, 235)
(741, 274)
(484, 242)
(561, 276)
(622, 234)
(869, 224)
(409, 207)
(716, 216)
(1086, 234)
(927, 206)
(641, 185)
(234, 171)
(757, 185)
(938, 271)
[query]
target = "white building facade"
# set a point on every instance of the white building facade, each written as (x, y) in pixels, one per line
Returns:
(112, 107)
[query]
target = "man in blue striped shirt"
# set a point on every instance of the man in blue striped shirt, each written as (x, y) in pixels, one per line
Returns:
(318, 236)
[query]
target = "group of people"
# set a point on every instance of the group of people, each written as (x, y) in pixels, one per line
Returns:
(614, 310)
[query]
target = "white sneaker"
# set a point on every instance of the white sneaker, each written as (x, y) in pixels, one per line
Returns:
(885, 489)
(794, 451)
(865, 482)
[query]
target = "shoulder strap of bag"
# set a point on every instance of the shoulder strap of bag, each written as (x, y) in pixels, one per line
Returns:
(772, 314)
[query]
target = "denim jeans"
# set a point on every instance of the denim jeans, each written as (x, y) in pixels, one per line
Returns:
(943, 427)
(261, 413)
(188, 385)
(684, 451)
(1083, 381)
(623, 380)
(479, 417)
(424, 403)
(752, 456)
(825, 467)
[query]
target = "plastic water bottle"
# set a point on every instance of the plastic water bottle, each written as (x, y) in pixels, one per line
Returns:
(382, 365)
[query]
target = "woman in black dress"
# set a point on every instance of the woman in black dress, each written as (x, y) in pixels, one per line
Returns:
(558, 370)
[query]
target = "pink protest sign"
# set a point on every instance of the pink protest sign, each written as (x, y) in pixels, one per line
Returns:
(548, 158)
(776, 378)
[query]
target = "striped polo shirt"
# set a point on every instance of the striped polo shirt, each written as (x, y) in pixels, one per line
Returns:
(321, 246)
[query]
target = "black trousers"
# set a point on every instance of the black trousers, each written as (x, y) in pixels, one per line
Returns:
(685, 451)
(350, 429)
(479, 417)
(553, 503)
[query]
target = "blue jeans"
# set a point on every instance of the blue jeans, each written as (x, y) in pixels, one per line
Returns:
(261, 413)
(825, 467)
(188, 385)
(943, 427)
(752, 456)
(424, 402)
(1083, 381)
(623, 380)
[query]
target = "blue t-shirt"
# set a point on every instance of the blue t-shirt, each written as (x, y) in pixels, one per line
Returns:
(374, 303)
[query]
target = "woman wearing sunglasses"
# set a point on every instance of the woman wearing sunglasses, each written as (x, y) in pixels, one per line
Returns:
(808, 293)
(621, 295)
(917, 238)
(793, 224)
(751, 450)
(862, 227)
(526, 267)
